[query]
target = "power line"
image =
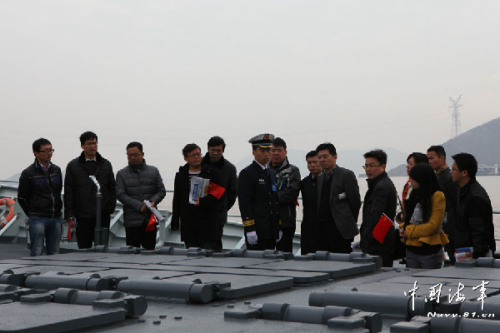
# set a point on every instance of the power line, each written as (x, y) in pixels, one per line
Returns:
(455, 116)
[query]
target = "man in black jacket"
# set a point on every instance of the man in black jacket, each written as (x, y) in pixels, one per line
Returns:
(288, 186)
(39, 194)
(474, 223)
(197, 219)
(80, 191)
(338, 203)
(437, 160)
(136, 183)
(381, 198)
(215, 159)
(258, 197)
(309, 228)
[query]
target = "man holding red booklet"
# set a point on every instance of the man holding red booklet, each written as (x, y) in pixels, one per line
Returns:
(379, 208)
(197, 221)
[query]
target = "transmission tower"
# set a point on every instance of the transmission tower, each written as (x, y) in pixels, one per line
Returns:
(455, 116)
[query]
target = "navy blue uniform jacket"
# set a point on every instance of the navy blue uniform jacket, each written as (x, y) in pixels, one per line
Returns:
(258, 201)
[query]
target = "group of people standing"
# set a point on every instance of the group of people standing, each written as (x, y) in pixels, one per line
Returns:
(439, 208)
(332, 204)
(442, 209)
(40, 187)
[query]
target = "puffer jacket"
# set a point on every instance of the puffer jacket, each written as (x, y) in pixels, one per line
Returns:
(134, 184)
(39, 192)
(80, 191)
(288, 185)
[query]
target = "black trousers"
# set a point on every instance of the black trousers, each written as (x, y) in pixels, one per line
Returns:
(387, 258)
(137, 236)
(219, 241)
(85, 230)
(450, 249)
(329, 237)
(339, 245)
(286, 242)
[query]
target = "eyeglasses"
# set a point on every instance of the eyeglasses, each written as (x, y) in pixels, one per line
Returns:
(133, 155)
(372, 165)
(46, 151)
(91, 143)
(194, 155)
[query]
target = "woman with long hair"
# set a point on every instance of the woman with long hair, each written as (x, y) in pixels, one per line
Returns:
(423, 232)
(408, 202)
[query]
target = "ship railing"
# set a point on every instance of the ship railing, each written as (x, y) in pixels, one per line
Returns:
(233, 237)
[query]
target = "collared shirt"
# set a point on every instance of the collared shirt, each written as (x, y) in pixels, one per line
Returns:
(444, 167)
(327, 176)
(264, 167)
(91, 165)
(313, 177)
(43, 167)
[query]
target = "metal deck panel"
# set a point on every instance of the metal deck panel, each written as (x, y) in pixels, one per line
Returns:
(229, 262)
(336, 269)
(474, 273)
(241, 285)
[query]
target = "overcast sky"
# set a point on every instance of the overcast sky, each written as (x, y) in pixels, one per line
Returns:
(360, 74)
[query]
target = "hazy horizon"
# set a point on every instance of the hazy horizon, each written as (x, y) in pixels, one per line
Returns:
(359, 74)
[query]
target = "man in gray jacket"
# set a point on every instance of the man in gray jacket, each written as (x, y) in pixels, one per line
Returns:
(134, 184)
(288, 186)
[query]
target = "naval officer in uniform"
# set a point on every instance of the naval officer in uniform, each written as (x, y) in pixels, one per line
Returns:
(258, 197)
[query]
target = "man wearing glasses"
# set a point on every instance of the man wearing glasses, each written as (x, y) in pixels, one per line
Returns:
(39, 194)
(474, 224)
(381, 198)
(80, 191)
(136, 183)
(196, 216)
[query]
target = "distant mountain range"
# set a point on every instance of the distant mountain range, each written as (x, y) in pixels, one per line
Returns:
(482, 141)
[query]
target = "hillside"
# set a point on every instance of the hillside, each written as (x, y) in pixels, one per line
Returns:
(481, 141)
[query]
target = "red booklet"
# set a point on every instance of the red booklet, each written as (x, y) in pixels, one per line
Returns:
(382, 227)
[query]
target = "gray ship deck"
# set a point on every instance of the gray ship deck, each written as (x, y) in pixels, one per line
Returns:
(192, 291)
